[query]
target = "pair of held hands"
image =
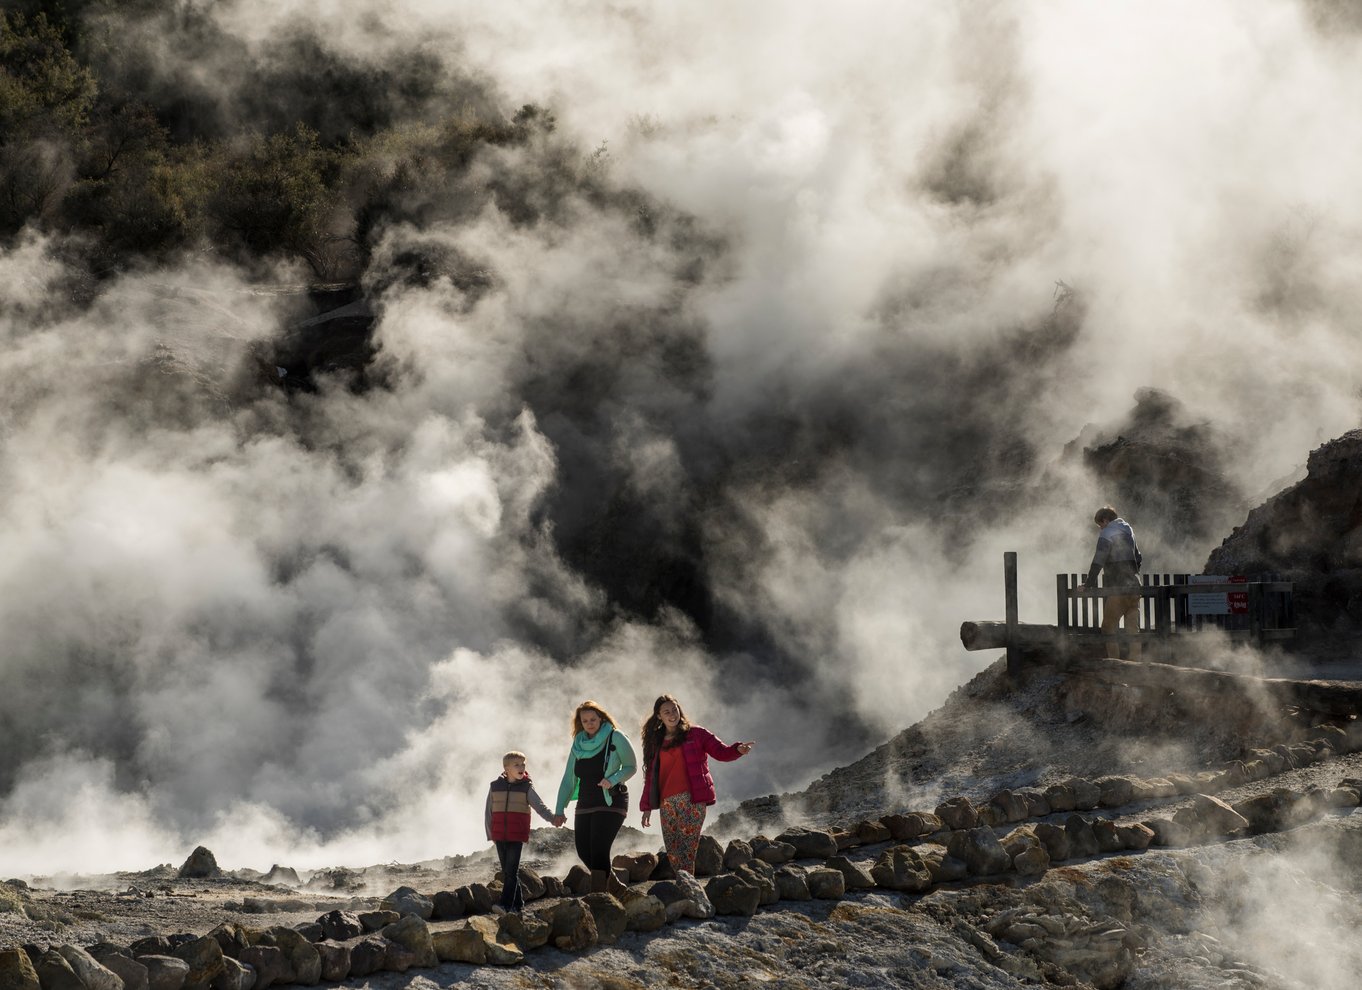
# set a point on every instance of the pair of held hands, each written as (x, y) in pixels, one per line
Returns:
(743, 748)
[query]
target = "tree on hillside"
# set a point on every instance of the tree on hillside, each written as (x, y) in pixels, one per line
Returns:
(45, 99)
(276, 197)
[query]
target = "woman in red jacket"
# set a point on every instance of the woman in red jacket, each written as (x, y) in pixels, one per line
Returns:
(676, 778)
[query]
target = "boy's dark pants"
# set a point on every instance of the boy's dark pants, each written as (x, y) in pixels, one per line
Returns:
(509, 853)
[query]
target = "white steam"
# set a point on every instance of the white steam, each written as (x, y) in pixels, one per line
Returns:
(312, 645)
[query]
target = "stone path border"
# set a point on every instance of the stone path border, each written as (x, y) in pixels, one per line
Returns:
(955, 843)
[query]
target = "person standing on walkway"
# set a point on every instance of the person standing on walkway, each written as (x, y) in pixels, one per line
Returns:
(676, 780)
(1118, 558)
(600, 762)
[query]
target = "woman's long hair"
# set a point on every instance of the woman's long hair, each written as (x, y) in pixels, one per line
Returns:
(594, 706)
(654, 732)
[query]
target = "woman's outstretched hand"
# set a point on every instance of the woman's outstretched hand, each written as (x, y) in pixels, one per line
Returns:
(746, 747)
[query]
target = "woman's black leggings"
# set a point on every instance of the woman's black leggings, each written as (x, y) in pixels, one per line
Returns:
(595, 834)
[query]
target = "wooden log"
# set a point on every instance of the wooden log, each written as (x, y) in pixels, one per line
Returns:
(990, 635)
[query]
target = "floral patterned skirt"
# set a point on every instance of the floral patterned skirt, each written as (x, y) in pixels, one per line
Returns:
(682, 820)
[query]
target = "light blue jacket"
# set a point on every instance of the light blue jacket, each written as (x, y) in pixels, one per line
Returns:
(620, 765)
(1118, 556)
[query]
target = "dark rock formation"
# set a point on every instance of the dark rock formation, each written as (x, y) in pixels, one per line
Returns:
(1310, 534)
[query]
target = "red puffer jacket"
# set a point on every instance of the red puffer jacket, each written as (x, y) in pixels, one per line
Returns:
(508, 809)
(700, 744)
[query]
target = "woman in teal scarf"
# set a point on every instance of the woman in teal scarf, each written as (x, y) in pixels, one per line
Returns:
(600, 762)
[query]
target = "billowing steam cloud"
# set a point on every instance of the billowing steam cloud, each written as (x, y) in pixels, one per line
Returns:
(752, 426)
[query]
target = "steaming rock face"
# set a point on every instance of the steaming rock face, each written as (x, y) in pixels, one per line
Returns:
(1164, 471)
(1310, 534)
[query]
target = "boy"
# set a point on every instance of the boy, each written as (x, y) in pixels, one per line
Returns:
(509, 801)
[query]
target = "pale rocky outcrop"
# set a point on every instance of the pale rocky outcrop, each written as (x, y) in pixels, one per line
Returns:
(201, 864)
(282, 875)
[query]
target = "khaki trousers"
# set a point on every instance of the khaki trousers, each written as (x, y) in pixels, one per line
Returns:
(1116, 608)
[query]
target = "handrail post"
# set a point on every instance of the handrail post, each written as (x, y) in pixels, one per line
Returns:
(1010, 600)
(1166, 622)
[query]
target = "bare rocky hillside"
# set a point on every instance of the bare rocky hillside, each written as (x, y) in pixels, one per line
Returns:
(1045, 829)
(1043, 833)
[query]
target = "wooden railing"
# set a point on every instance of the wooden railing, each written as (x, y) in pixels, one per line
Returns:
(1259, 609)
(1171, 606)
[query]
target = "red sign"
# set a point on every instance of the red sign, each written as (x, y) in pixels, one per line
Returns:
(1237, 600)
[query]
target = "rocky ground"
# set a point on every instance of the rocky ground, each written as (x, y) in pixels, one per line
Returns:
(1268, 906)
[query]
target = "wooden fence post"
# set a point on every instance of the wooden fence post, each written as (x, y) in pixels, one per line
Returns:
(1010, 598)
(1062, 600)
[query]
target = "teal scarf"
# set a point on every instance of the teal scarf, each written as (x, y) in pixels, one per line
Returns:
(584, 747)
